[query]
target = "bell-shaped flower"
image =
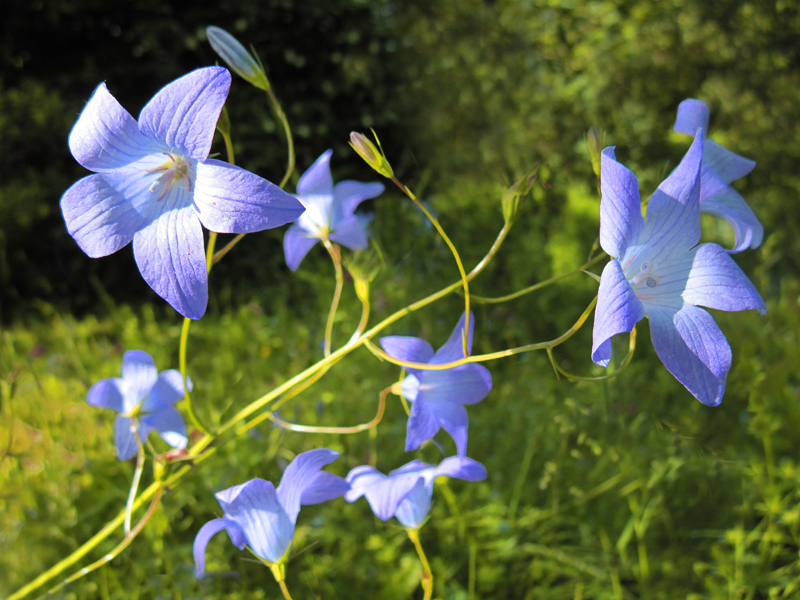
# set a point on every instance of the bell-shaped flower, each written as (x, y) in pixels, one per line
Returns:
(330, 212)
(658, 270)
(145, 400)
(263, 518)
(438, 396)
(406, 492)
(720, 167)
(154, 184)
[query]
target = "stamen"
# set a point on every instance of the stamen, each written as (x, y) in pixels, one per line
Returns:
(175, 168)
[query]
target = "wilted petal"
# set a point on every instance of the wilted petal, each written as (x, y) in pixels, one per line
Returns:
(325, 486)
(296, 244)
(691, 115)
(349, 194)
(99, 219)
(125, 439)
(727, 165)
(105, 137)
(422, 424)
(620, 206)
(409, 349)
(106, 394)
(228, 199)
(694, 350)
(730, 206)
(208, 531)
(618, 310)
(715, 281)
(414, 508)
(453, 349)
(350, 233)
(171, 257)
(317, 180)
(301, 473)
(139, 374)
(183, 114)
(461, 467)
(453, 419)
(169, 424)
(254, 506)
(167, 390)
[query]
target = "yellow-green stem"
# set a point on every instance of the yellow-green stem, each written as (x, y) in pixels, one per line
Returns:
(279, 572)
(625, 362)
(336, 257)
(137, 475)
(343, 430)
(276, 106)
(182, 363)
(427, 574)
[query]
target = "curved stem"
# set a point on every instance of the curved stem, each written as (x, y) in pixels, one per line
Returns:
(625, 362)
(276, 106)
(362, 324)
(427, 574)
(137, 475)
(464, 279)
(315, 429)
(336, 257)
(182, 361)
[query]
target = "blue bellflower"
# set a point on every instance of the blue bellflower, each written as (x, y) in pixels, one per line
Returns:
(438, 397)
(720, 168)
(263, 518)
(154, 184)
(406, 492)
(145, 400)
(660, 271)
(330, 212)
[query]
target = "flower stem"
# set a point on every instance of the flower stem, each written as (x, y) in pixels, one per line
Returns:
(182, 360)
(427, 575)
(464, 279)
(279, 572)
(137, 475)
(276, 106)
(625, 362)
(336, 257)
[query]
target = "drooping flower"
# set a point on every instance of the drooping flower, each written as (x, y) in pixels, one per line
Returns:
(658, 270)
(720, 168)
(330, 212)
(154, 184)
(406, 492)
(262, 517)
(237, 57)
(438, 397)
(145, 400)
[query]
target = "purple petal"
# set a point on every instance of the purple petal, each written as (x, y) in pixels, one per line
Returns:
(139, 375)
(325, 486)
(350, 233)
(409, 349)
(618, 310)
(167, 390)
(360, 479)
(691, 115)
(465, 384)
(409, 387)
(228, 199)
(730, 206)
(349, 194)
(317, 180)
(453, 419)
(715, 281)
(453, 349)
(301, 473)
(422, 424)
(169, 424)
(105, 137)
(727, 165)
(414, 508)
(620, 205)
(99, 218)
(461, 467)
(255, 508)
(296, 244)
(683, 184)
(106, 394)
(208, 531)
(183, 114)
(171, 257)
(383, 493)
(124, 438)
(694, 350)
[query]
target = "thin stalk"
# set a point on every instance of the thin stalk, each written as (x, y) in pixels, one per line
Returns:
(279, 573)
(464, 279)
(625, 362)
(276, 106)
(427, 575)
(336, 257)
(182, 363)
(344, 430)
(137, 475)
(362, 324)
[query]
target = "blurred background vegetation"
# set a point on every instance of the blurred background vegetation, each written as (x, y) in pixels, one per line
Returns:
(628, 488)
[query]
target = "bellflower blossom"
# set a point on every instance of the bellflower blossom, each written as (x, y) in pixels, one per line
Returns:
(145, 400)
(263, 518)
(154, 184)
(438, 397)
(330, 212)
(720, 168)
(406, 492)
(658, 270)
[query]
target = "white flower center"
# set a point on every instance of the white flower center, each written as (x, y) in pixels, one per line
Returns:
(174, 169)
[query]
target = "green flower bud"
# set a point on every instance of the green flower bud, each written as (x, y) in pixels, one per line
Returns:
(514, 197)
(237, 58)
(373, 157)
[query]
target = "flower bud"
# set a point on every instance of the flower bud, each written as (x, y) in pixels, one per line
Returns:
(238, 59)
(514, 197)
(373, 157)
(594, 141)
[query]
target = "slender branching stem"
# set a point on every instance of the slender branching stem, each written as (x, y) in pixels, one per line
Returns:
(182, 362)
(464, 279)
(137, 475)
(427, 574)
(344, 430)
(362, 324)
(276, 106)
(625, 362)
(336, 257)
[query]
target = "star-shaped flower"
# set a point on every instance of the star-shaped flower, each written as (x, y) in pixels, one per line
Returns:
(330, 212)
(406, 492)
(438, 397)
(720, 168)
(263, 518)
(145, 400)
(659, 271)
(154, 184)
